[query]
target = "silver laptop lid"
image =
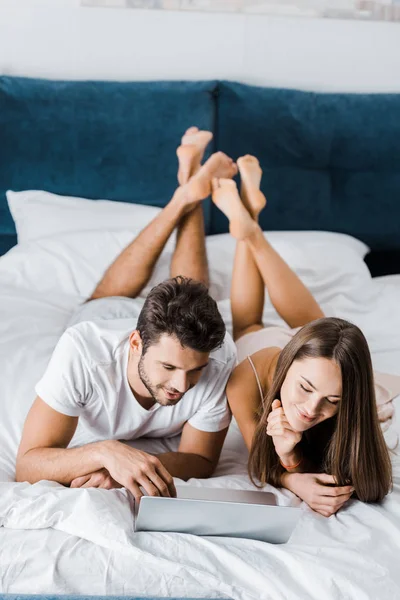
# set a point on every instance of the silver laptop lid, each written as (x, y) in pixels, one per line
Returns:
(225, 495)
(219, 512)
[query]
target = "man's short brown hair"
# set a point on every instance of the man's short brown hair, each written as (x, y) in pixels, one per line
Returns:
(183, 308)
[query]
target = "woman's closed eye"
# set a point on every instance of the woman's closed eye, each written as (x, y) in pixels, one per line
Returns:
(305, 389)
(332, 402)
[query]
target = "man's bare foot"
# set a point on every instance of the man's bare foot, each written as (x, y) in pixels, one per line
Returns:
(226, 197)
(199, 186)
(250, 174)
(191, 151)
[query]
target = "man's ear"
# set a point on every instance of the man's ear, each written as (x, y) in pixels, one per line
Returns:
(135, 342)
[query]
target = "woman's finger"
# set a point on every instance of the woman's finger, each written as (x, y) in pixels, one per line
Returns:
(326, 491)
(332, 504)
(276, 414)
(322, 510)
(278, 418)
(276, 404)
(326, 479)
(333, 507)
(279, 429)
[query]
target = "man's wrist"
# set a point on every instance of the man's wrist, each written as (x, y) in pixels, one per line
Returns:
(103, 451)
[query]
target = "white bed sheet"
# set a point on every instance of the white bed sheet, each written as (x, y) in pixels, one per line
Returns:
(57, 540)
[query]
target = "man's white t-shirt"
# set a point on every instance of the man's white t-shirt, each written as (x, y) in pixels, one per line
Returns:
(87, 378)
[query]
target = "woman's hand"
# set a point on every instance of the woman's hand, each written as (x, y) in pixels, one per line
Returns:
(284, 437)
(318, 490)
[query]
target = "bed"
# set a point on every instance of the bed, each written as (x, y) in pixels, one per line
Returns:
(55, 540)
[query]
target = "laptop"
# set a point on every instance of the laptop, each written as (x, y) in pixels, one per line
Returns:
(219, 512)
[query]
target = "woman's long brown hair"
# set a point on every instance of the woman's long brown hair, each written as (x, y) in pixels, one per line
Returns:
(350, 446)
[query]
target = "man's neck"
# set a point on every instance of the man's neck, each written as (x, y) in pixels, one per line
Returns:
(146, 403)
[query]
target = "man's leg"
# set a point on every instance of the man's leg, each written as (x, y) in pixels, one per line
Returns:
(132, 269)
(190, 256)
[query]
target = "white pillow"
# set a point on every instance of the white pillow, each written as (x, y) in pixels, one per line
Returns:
(314, 238)
(66, 244)
(39, 214)
(73, 263)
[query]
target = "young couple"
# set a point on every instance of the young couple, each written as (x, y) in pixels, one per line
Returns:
(303, 397)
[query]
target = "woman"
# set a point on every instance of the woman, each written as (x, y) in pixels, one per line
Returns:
(305, 399)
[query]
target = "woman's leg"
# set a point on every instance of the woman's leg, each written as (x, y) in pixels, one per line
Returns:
(289, 296)
(247, 288)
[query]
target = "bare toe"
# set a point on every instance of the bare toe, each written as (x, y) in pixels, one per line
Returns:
(249, 163)
(198, 138)
(251, 173)
(190, 161)
(190, 131)
(187, 156)
(227, 198)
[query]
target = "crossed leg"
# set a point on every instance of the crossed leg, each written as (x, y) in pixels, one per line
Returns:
(257, 264)
(190, 256)
(132, 269)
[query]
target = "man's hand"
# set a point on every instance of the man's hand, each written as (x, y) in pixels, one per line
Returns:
(132, 469)
(319, 491)
(284, 437)
(98, 479)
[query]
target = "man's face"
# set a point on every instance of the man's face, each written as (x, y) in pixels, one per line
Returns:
(167, 370)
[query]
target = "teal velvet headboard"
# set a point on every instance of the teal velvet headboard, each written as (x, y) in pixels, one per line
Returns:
(330, 161)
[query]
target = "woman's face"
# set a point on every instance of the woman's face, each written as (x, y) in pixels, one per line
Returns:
(311, 392)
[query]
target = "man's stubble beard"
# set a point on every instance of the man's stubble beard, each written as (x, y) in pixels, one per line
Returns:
(147, 384)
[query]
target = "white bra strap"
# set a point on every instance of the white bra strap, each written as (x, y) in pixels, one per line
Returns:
(258, 380)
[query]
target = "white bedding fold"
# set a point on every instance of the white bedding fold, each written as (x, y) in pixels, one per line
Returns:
(82, 541)
(351, 555)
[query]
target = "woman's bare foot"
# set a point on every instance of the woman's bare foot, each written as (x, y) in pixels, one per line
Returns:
(226, 197)
(250, 174)
(191, 151)
(199, 186)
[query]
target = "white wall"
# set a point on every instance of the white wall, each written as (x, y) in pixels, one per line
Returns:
(59, 39)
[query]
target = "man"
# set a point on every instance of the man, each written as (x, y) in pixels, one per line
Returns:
(156, 376)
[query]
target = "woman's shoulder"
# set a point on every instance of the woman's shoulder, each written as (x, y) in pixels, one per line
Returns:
(265, 362)
(245, 379)
(243, 392)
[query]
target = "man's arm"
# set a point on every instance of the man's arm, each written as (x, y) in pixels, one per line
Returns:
(43, 454)
(197, 456)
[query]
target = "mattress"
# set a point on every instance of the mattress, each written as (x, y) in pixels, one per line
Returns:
(55, 540)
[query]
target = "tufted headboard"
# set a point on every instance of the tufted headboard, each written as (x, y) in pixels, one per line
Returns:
(330, 161)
